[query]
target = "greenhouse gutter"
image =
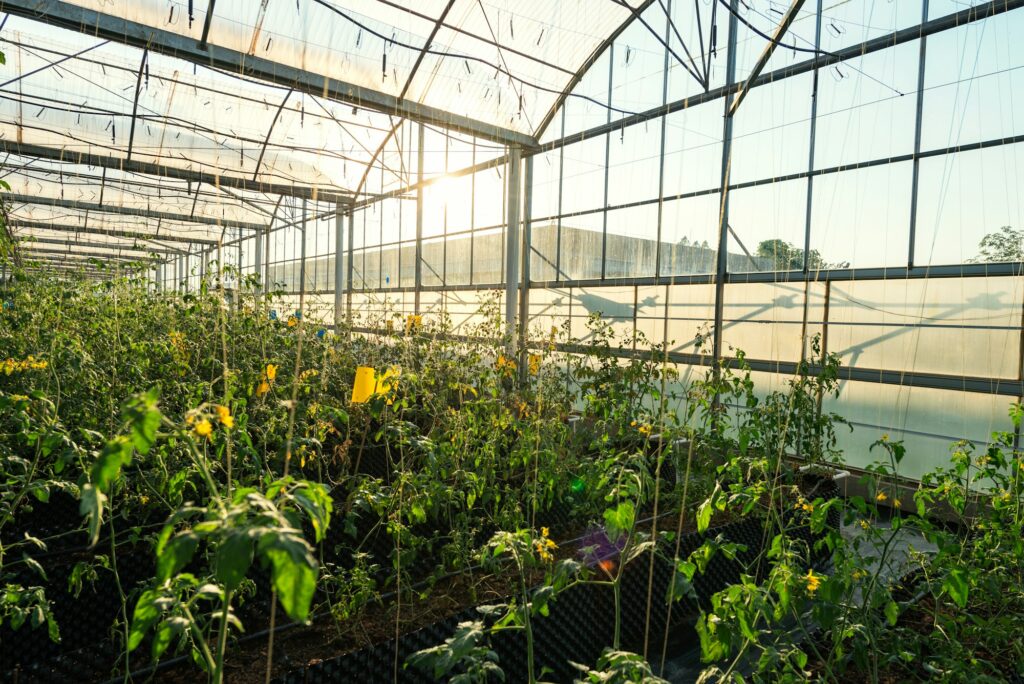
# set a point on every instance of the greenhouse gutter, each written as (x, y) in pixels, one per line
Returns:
(108, 27)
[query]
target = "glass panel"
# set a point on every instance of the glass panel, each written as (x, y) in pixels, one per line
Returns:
(970, 207)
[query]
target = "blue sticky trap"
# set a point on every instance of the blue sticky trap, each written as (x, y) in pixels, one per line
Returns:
(320, 333)
(8, 305)
(387, 279)
(273, 314)
(298, 315)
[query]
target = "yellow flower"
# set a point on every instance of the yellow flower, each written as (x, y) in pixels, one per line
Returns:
(292, 321)
(545, 532)
(813, 581)
(263, 388)
(896, 503)
(534, 364)
(203, 428)
(271, 372)
(880, 496)
(865, 525)
(644, 429)
(225, 417)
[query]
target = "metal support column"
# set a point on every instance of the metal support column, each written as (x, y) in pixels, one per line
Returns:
(419, 217)
(661, 148)
(339, 270)
(257, 266)
(922, 54)
(607, 162)
(349, 266)
(810, 184)
(524, 288)
(302, 252)
(512, 241)
(723, 217)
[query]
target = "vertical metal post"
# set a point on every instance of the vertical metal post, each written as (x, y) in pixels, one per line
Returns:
(810, 184)
(723, 218)
(257, 263)
(558, 226)
(419, 218)
(302, 250)
(661, 150)
(267, 259)
(339, 271)
(349, 265)
(514, 179)
(607, 158)
(922, 54)
(524, 290)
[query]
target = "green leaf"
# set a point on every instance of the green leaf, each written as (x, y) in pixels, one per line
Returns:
(682, 582)
(176, 555)
(145, 616)
(704, 516)
(162, 639)
(91, 506)
(956, 585)
(313, 498)
(293, 572)
(116, 453)
(892, 612)
(234, 555)
(619, 520)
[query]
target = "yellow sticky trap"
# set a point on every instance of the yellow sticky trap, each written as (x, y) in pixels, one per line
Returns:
(389, 325)
(364, 385)
(368, 383)
(413, 322)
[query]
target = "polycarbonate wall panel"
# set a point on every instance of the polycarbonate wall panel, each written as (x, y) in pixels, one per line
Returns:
(952, 326)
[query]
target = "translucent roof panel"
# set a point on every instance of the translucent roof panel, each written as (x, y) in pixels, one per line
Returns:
(120, 190)
(78, 93)
(22, 215)
(505, 61)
